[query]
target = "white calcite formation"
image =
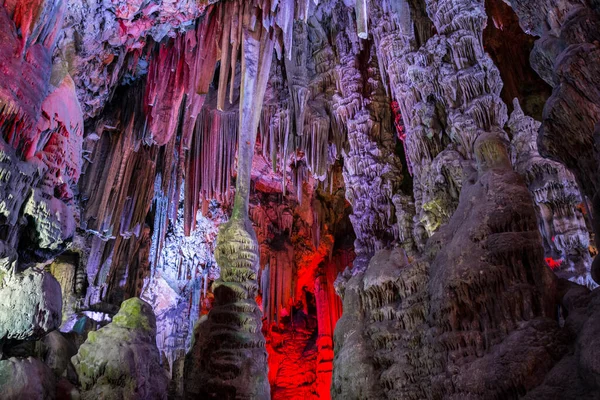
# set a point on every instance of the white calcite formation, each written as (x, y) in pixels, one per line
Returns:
(31, 304)
(372, 171)
(558, 202)
(178, 290)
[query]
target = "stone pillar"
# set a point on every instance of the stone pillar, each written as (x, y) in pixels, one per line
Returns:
(325, 338)
(372, 170)
(567, 57)
(557, 199)
(229, 359)
(373, 175)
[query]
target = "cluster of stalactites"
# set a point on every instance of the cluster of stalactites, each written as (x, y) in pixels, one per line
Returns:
(448, 92)
(41, 129)
(210, 161)
(178, 80)
(296, 129)
(372, 170)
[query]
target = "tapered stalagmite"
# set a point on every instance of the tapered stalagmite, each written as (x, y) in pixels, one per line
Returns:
(229, 360)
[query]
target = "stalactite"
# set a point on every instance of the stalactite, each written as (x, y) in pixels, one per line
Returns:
(372, 170)
(362, 18)
(210, 161)
(265, 289)
(178, 76)
(181, 69)
(281, 283)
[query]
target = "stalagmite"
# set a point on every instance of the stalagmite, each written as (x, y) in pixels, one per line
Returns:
(567, 47)
(557, 199)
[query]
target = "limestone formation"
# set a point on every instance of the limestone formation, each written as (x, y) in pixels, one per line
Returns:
(26, 379)
(575, 376)
(121, 361)
(566, 56)
(179, 288)
(56, 352)
(372, 171)
(312, 198)
(418, 319)
(558, 202)
(228, 358)
(31, 304)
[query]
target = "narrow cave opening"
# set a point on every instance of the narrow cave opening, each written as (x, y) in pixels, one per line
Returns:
(510, 48)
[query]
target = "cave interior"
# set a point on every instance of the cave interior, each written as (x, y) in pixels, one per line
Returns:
(299, 199)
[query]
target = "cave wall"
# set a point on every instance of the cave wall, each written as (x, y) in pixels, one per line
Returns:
(449, 95)
(563, 56)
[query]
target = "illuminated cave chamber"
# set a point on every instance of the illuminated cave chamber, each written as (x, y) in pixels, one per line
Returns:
(309, 199)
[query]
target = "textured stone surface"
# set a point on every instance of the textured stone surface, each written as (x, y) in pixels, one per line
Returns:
(31, 304)
(41, 129)
(179, 288)
(228, 358)
(576, 375)
(121, 360)
(56, 352)
(67, 273)
(558, 202)
(26, 379)
(411, 328)
(566, 57)
(372, 171)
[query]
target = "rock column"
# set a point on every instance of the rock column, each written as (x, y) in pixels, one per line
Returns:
(567, 56)
(229, 360)
(372, 170)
